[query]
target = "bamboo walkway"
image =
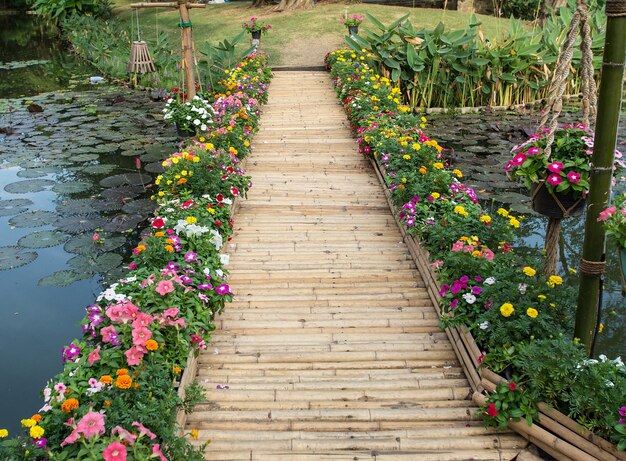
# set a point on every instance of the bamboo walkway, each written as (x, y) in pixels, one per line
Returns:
(331, 349)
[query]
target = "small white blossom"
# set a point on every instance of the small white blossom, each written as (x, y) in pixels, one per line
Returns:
(490, 281)
(484, 325)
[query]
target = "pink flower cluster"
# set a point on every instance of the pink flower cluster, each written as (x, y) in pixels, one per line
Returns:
(485, 252)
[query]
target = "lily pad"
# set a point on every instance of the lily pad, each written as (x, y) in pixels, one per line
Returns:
(43, 239)
(141, 206)
(155, 168)
(12, 257)
(63, 278)
(72, 187)
(36, 172)
(132, 179)
(108, 205)
(14, 206)
(35, 218)
(74, 207)
(94, 264)
(102, 168)
(85, 157)
(122, 192)
(79, 223)
(123, 222)
(30, 186)
(84, 244)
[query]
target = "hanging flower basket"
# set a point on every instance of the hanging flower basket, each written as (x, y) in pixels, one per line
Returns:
(256, 35)
(353, 30)
(555, 205)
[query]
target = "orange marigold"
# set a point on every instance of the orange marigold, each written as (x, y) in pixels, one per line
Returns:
(124, 381)
(152, 345)
(69, 405)
(121, 371)
(107, 403)
(36, 417)
(106, 379)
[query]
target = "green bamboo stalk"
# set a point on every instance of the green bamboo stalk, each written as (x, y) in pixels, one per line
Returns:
(603, 156)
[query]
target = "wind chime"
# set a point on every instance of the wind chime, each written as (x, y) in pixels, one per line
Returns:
(188, 59)
(140, 61)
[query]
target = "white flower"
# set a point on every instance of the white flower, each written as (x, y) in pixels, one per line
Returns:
(490, 281)
(170, 101)
(470, 298)
(188, 117)
(603, 357)
(484, 325)
(224, 259)
(203, 127)
(522, 288)
(608, 383)
(216, 239)
(219, 272)
(197, 122)
(618, 362)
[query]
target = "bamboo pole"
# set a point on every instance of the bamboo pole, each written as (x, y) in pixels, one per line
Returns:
(166, 5)
(592, 265)
(187, 61)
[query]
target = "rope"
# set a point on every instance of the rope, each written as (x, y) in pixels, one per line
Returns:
(553, 233)
(615, 8)
(592, 267)
(138, 31)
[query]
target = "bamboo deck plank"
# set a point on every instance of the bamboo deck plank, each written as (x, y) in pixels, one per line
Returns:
(331, 348)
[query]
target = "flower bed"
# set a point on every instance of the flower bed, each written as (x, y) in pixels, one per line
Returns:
(486, 289)
(116, 399)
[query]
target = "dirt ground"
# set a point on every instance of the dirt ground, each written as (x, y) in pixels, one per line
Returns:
(308, 53)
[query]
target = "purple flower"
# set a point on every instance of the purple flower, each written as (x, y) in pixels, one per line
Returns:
(70, 353)
(454, 303)
(190, 256)
(477, 290)
(203, 297)
(95, 318)
(171, 266)
(40, 442)
(223, 289)
(444, 289)
(205, 286)
(186, 279)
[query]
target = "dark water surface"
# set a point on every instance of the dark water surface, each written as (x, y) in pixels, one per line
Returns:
(82, 164)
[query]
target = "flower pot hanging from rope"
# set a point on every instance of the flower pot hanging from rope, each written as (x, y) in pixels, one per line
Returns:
(557, 205)
(579, 24)
(140, 61)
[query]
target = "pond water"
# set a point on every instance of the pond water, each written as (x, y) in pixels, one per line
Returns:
(75, 159)
(482, 145)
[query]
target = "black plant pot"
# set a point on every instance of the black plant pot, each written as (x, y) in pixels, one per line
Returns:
(182, 133)
(256, 35)
(621, 252)
(558, 205)
(353, 30)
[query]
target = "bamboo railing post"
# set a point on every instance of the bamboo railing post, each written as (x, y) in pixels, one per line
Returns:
(592, 264)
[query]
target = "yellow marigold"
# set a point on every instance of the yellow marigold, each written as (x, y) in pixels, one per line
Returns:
(507, 309)
(435, 195)
(194, 434)
(69, 405)
(422, 170)
(438, 165)
(406, 157)
(176, 370)
(36, 417)
(403, 180)
(458, 173)
(123, 382)
(28, 422)
(532, 312)
(106, 379)
(36, 432)
(529, 271)
(514, 222)
(416, 146)
(196, 159)
(600, 327)
(554, 280)
(161, 193)
(152, 345)
(175, 160)
(3, 433)
(169, 248)
(485, 218)
(191, 220)
(503, 212)
(541, 297)
(476, 253)
(460, 210)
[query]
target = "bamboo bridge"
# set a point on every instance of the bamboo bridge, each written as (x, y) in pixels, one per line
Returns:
(331, 349)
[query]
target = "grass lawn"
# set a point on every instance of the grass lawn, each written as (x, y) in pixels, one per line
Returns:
(299, 37)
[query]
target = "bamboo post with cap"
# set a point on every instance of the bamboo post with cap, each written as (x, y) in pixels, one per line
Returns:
(187, 61)
(592, 264)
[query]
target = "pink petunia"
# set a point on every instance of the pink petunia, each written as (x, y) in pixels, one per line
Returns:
(164, 287)
(124, 435)
(91, 425)
(70, 439)
(108, 334)
(94, 356)
(156, 451)
(487, 254)
(606, 214)
(555, 167)
(554, 179)
(457, 246)
(141, 335)
(171, 312)
(142, 320)
(134, 355)
(114, 452)
(534, 151)
(143, 430)
(574, 177)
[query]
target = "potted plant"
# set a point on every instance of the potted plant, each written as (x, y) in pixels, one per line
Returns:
(559, 182)
(352, 22)
(189, 116)
(256, 28)
(614, 218)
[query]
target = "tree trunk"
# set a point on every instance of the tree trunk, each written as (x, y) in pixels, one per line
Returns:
(259, 3)
(295, 5)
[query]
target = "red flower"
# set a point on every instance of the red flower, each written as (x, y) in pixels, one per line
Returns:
(158, 223)
(491, 410)
(219, 197)
(234, 191)
(512, 386)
